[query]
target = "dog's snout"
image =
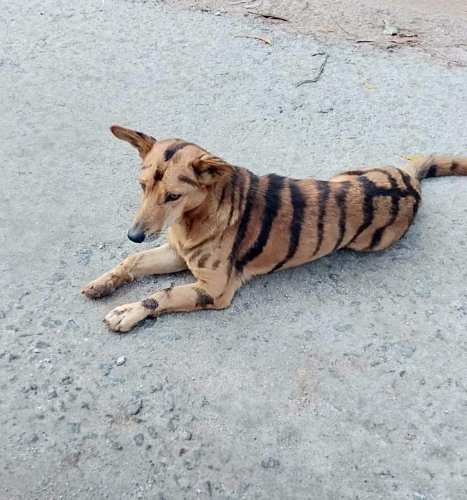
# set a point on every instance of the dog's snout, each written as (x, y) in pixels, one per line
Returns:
(136, 235)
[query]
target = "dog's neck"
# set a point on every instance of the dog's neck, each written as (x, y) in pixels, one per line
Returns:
(203, 221)
(204, 215)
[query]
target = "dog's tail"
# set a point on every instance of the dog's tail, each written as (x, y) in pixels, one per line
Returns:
(436, 166)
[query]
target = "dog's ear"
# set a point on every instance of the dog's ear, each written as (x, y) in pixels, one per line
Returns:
(210, 169)
(142, 142)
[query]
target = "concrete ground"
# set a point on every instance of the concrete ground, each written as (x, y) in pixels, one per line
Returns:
(341, 379)
(431, 29)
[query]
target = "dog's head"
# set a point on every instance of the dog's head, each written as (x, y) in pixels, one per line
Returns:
(175, 177)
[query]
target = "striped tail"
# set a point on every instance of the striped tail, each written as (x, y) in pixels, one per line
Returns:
(436, 166)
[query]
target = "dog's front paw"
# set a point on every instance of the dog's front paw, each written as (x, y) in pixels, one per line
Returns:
(124, 318)
(99, 287)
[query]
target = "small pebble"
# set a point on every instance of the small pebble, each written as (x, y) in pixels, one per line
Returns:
(52, 394)
(117, 446)
(91, 435)
(186, 435)
(139, 439)
(418, 496)
(28, 437)
(155, 388)
(421, 290)
(168, 336)
(342, 327)
(270, 463)
(83, 256)
(120, 361)
(334, 277)
(71, 325)
(172, 425)
(66, 380)
(105, 368)
(75, 427)
(40, 344)
(152, 432)
(115, 380)
(50, 322)
(133, 408)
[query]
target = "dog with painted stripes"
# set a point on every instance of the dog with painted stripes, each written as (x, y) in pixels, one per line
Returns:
(226, 224)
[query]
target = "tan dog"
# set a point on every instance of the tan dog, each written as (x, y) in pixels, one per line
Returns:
(225, 224)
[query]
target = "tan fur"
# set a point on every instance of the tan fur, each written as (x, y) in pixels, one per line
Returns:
(226, 224)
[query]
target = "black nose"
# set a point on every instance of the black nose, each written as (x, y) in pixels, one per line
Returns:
(136, 235)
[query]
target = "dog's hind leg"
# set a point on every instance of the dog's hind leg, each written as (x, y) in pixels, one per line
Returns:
(161, 260)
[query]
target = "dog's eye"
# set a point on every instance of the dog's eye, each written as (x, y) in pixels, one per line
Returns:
(143, 186)
(172, 197)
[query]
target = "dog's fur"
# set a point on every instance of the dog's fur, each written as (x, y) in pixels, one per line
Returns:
(228, 224)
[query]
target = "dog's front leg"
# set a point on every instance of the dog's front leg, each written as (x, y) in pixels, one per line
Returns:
(163, 259)
(191, 297)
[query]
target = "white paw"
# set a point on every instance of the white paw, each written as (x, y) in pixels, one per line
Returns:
(124, 318)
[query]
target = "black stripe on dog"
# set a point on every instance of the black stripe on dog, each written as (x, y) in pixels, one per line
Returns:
(395, 195)
(272, 204)
(244, 220)
(188, 180)
(341, 200)
(323, 195)
(234, 182)
(203, 298)
(298, 204)
(432, 172)
(171, 150)
(369, 188)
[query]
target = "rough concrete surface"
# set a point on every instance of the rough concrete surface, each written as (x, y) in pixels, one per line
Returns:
(345, 378)
(432, 29)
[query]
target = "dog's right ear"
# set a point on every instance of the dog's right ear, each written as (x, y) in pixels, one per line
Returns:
(210, 169)
(142, 142)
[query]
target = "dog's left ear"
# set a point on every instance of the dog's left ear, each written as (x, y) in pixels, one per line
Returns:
(210, 169)
(142, 142)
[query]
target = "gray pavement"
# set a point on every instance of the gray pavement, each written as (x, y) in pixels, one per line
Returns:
(345, 378)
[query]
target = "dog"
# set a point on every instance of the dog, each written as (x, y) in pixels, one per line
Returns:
(226, 224)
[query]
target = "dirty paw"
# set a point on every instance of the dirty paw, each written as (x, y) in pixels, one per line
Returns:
(98, 288)
(124, 318)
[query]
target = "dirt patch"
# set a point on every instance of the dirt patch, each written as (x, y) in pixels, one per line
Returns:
(430, 27)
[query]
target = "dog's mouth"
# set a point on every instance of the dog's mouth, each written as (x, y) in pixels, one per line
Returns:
(153, 236)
